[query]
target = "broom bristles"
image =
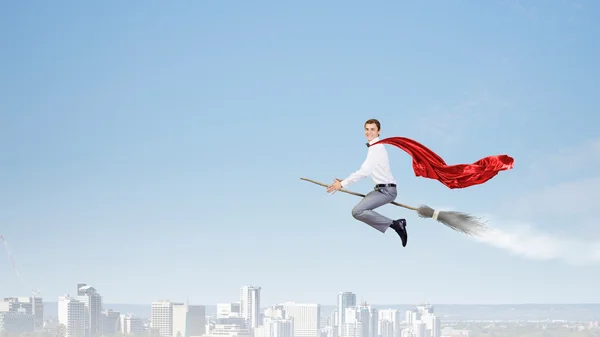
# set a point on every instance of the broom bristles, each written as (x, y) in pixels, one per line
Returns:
(458, 221)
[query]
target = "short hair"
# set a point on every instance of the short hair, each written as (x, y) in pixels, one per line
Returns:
(374, 121)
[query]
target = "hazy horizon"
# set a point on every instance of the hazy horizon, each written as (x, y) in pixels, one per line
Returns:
(448, 312)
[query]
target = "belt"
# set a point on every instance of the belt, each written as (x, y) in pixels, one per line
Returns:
(385, 185)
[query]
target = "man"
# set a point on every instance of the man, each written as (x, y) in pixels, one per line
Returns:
(377, 166)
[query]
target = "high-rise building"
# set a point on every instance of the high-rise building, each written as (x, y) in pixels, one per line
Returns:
(31, 305)
(345, 300)
(93, 309)
(276, 323)
(180, 320)
(373, 322)
(162, 318)
(16, 322)
(72, 316)
(363, 314)
(250, 305)
(196, 326)
(110, 322)
(131, 325)
(386, 328)
(424, 321)
(277, 327)
(389, 322)
(352, 329)
(436, 327)
(306, 318)
(228, 310)
(420, 329)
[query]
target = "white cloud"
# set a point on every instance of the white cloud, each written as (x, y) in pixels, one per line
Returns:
(575, 187)
(578, 198)
(530, 12)
(522, 239)
(449, 122)
(577, 243)
(569, 159)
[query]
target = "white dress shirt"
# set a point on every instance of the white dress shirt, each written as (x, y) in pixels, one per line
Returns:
(377, 166)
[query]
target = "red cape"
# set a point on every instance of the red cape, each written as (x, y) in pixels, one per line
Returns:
(428, 164)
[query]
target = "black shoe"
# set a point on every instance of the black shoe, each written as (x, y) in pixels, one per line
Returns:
(400, 227)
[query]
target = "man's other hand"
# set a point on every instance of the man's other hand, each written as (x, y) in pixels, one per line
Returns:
(336, 186)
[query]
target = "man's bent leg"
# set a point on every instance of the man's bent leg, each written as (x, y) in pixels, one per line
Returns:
(363, 211)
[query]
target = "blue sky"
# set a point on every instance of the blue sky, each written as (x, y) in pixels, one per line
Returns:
(154, 149)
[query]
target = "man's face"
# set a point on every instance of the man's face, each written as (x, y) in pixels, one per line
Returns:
(371, 131)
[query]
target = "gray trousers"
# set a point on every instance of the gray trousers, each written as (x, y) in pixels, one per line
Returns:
(363, 211)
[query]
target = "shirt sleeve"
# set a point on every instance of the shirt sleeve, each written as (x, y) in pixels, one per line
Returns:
(365, 169)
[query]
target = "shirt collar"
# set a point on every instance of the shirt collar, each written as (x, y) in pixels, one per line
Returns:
(376, 139)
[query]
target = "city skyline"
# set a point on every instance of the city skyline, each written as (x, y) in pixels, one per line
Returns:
(156, 150)
(171, 318)
(85, 315)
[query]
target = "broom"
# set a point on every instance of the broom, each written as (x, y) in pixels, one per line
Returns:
(458, 221)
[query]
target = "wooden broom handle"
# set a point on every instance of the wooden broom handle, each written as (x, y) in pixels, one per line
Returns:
(357, 194)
